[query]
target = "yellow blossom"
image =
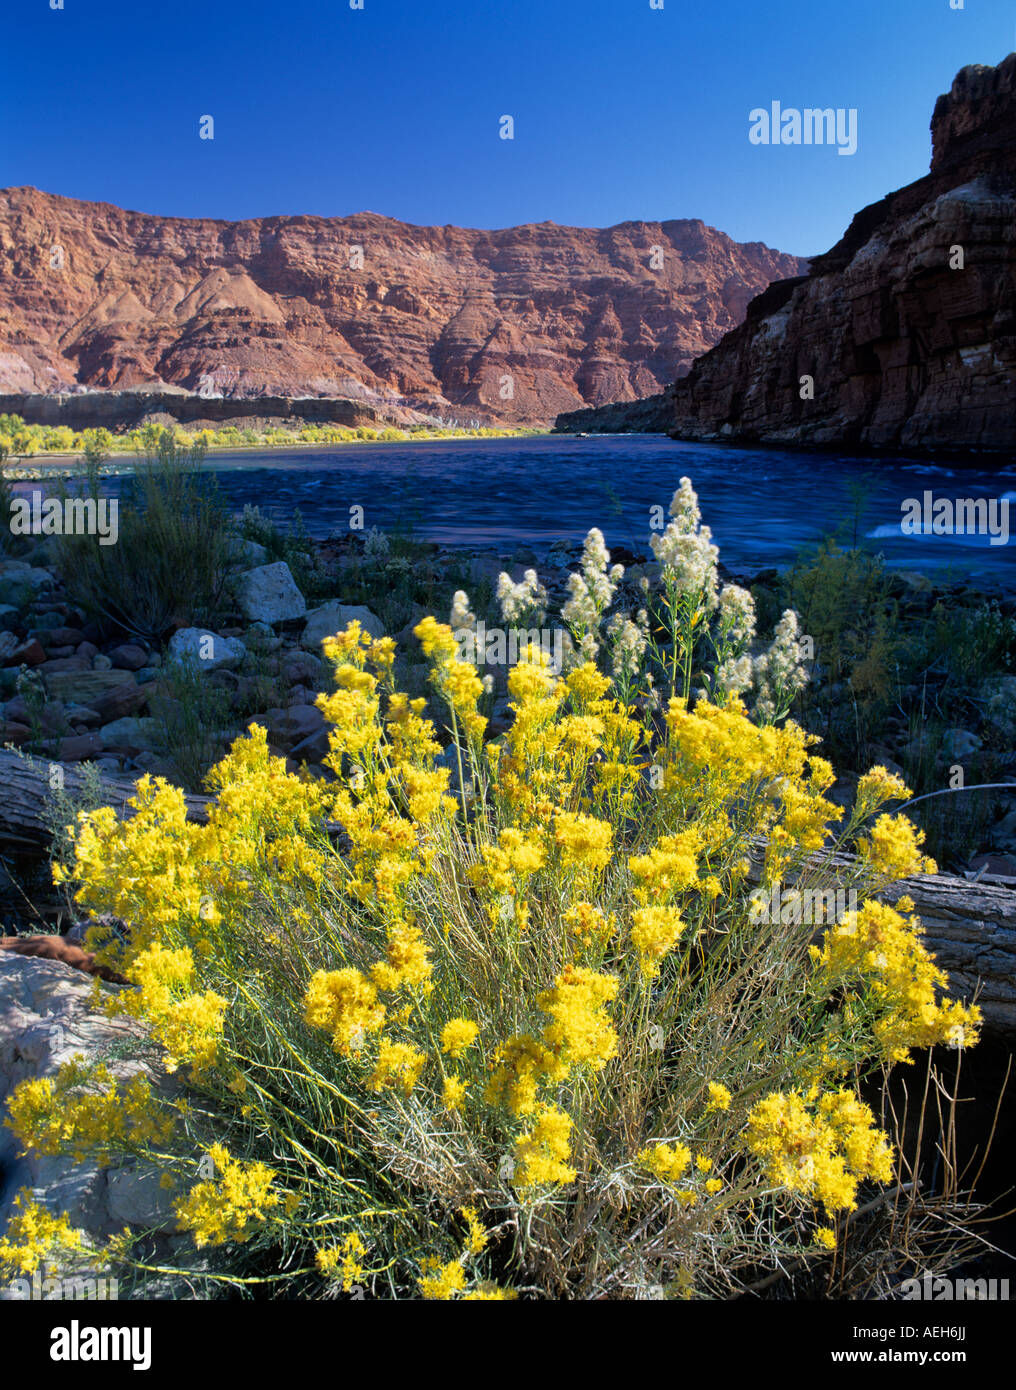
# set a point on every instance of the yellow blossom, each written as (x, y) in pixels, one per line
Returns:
(457, 1035)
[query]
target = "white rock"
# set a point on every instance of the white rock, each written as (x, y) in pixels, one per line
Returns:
(47, 1017)
(335, 617)
(206, 649)
(269, 594)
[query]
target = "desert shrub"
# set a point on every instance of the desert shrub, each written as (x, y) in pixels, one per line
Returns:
(191, 710)
(844, 601)
(170, 555)
(546, 1038)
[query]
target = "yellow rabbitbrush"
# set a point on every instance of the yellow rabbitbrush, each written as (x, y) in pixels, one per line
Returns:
(544, 1002)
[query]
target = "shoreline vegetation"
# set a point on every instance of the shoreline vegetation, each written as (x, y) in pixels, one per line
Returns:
(27, 448)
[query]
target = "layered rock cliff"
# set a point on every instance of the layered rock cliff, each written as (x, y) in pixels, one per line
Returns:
(512, 325)
(903, 336)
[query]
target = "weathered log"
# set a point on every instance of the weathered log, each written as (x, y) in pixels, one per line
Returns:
(969, 926)
(28, 787)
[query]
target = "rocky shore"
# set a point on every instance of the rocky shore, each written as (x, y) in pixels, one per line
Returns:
(72, 692)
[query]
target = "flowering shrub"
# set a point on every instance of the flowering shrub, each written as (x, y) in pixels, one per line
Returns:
(527, 1040)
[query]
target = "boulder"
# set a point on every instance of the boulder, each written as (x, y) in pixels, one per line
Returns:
(334, 617)
(289, 727)
(313, 748)
(300, 668)
(128, 657)
(20, 583)
(51, 637)
(85, 687)
(129, 733)
(120, 700)
(47, 1017)
(959, 743)
(244, 552)
(75, 748)
(269, 594)
(24, 654)
(206, 650)
(1000, 695)
(57, 664)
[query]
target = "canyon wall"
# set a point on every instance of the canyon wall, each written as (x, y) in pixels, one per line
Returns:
(513, 325)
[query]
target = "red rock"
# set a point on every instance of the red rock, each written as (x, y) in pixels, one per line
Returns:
(65, 663)
(119, 701)
(13, 732)
(51, 718)
(51, 637)
(904, 351)
(25, 654)
(76, 748)
(435, 319)
(289, 727)
(56, 948)
(128, 657)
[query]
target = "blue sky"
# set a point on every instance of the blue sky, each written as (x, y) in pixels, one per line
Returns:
(621, 111)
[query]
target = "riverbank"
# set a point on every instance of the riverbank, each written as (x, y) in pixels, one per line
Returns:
(27, 453)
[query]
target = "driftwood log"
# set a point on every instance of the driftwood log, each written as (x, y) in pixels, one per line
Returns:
(27, 790)
(969, 926)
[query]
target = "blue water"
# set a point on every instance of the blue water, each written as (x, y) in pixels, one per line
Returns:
(763, 505)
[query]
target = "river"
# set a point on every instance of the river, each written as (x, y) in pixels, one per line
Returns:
(763, 505)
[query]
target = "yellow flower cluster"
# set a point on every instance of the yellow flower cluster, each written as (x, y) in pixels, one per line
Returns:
(343, 1262)
(476, 1240)
(442, 1280)
(892, 849)
(225, 1210)
(544, 1151)
(583, 841)
(522, 1064)
(588, 924)
(34, 1235)
(407, 961)
(654, 932)
(453, 1092)
(580, 1035)
(719, 1097)
(819, 1145)
(187, 1023)
(343, 1003)
(881, 945)
(84, 1109)
(508, 866)
(398, 1064)
(877, 786)
(668, 868)
(667, 1161)
(457, 1035)
(445, 1279)
(456, 680)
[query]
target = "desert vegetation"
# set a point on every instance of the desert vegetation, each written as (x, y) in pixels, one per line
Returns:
(471, 1017)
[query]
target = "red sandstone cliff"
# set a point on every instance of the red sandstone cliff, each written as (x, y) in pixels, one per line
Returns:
(905, 351)
(435, 319)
